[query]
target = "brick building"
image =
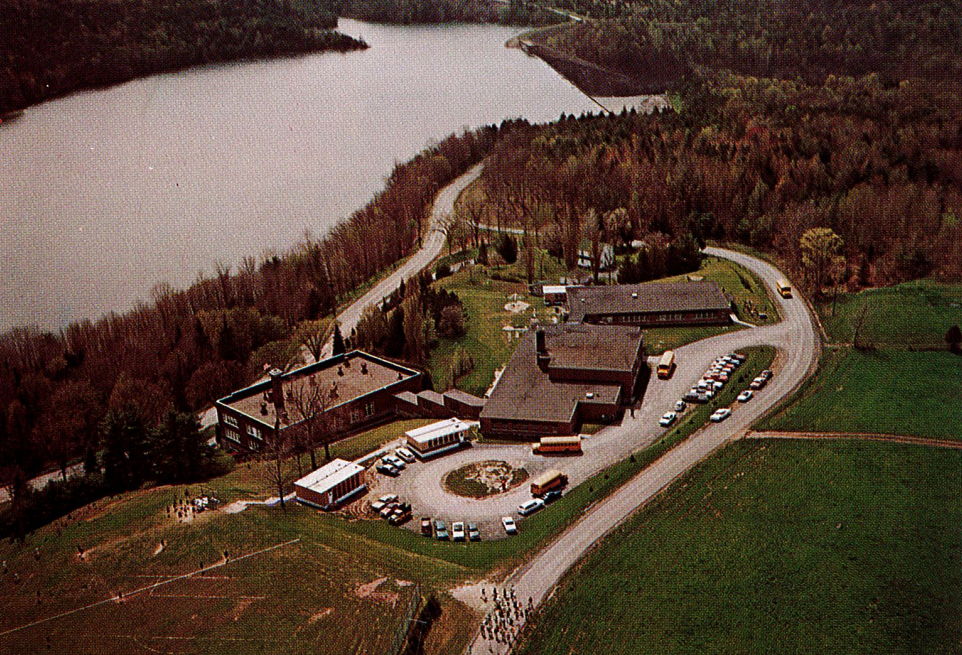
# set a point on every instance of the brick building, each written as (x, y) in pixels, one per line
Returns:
(354, 391)
(563, 375)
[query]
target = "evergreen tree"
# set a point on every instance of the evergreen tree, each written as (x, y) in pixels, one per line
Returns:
(125, 442)
(338, 348)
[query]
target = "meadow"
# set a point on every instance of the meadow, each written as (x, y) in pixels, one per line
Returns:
(771, 546)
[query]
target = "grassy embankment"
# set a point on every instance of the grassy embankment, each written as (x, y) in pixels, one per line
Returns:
(817, 547)
(890, 387)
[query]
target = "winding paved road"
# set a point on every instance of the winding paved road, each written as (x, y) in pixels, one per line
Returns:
(796, 341)
(430, 250)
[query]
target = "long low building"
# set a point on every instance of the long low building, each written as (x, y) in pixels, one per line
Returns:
(438, 438)
(345, 393)
(331, 485)
(651, 304)
(563, 375)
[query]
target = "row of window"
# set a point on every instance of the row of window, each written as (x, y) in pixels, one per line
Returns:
(657, 318)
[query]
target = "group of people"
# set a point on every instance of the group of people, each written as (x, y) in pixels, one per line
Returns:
(503, 623)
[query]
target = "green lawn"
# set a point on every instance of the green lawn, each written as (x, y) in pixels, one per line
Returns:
(367, 442)
(740, 283)
(776, 547)
(486, 340)
(911, 315)
(885, 391)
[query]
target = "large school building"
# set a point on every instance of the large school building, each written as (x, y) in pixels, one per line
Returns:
(652, 304)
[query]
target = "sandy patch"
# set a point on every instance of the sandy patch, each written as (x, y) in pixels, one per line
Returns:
(516, 307)
(320, 615)
(366, 590)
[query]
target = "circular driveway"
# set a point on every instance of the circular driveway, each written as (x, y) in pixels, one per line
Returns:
(795, 341)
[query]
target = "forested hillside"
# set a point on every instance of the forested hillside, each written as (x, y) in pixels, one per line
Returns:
(52, 47)
(757, 162)
(412, 12)
(898, 39)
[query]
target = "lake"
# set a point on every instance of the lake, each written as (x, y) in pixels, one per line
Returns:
(107, 193)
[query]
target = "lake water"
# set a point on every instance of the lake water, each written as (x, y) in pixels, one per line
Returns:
(106, 193)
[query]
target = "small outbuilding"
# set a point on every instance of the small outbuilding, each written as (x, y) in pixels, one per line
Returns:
(438, 438)
(331, 485)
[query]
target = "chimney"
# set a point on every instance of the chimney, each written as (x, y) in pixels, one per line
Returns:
(277, 389)
(542, 350)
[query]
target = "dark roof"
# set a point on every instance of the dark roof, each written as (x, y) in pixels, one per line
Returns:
(345, 372)
(525, 392)
(431, 397)
(652, 298)
(464, 398)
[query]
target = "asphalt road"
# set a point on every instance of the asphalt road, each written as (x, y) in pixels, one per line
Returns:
(430, 249)
(796, 341)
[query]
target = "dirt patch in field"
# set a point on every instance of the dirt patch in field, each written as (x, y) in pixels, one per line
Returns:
(371, 591)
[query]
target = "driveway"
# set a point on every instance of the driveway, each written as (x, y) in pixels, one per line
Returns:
(796, 341)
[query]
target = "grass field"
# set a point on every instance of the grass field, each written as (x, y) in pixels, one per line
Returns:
(774, 547)
(293, 599)
(485, 340)
(884, 391)
(371, 440)
(911, 315)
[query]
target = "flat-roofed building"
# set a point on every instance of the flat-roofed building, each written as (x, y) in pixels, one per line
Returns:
(438, 438)
(563, 375)
(651, 304)
(331, 485)
(352, 392)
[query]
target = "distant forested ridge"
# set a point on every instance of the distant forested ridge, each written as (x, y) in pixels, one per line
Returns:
(787, 39)
(51, 47)
(413, 12)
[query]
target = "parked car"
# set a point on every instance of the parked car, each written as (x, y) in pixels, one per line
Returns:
(667, 419)
(405, 454)
(738, 357)
(400, 516)
(387, 510)
(551, 496)
(379, 504)
(530, 507)
(680, 406)
(758, 383)
(691, 397)
(440, 530)
(457, 531)
(396, 462)
(388, 470)
(717, 386)
(473, 533)
(509, 525)
(720, 415)
(745, 396)
(767, 374)
(426, 526)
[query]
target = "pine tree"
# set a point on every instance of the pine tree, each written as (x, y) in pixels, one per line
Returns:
(338, 348)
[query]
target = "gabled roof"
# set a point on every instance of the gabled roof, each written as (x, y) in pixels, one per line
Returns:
(646, 298)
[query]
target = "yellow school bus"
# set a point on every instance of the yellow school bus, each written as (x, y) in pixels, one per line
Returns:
(547, 481)
(557, 445)
(784, 289)
(666, 365)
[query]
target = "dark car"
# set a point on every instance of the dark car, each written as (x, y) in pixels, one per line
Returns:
(551, 496)
(387, 469)
(399, 516)
(440, 530)
(426, 526)
(473, 533)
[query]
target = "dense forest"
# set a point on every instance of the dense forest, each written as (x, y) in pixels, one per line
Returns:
(786, 39)
(753, 161)
(412, 12)
(52, 47)
(72, 395)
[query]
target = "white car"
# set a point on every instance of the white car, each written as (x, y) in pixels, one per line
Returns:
(379, 504)
(667, 419)
(457, 531)
(745, 396)
(680, 406)
(720, 415)
(717, 385)
(405, 454)
(530, 507)
(509, 525)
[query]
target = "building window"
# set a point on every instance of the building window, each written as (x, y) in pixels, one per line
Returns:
(230, 420)
(254, 432)
(232, 435)
(369, 409)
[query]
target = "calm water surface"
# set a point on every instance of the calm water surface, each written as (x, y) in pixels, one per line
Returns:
(105, 194)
